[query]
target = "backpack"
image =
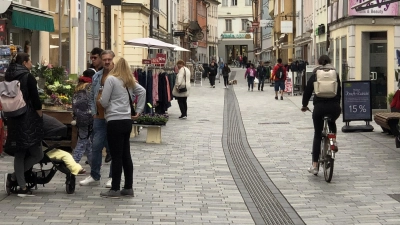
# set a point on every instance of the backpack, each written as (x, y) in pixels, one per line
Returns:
(12, 99)
(325, 84)
(81, 109)
(280, 73)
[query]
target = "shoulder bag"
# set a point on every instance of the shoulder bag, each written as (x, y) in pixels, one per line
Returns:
(182, 90)
(133, 113)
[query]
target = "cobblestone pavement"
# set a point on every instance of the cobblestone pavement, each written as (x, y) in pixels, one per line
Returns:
(186, 179)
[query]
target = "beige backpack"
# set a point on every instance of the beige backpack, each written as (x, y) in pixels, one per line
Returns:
(326, 83)
(11, 98)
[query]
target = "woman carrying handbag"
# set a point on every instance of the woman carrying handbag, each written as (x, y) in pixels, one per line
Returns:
(182, 88)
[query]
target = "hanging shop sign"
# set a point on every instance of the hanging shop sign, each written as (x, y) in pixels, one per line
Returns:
(179, 33)
(234, 35)
(287, 27)
(266, 23)
(194, 45)
(159, 60)
(255, 24)
(387, 9)
(320, 30)
(146, 61)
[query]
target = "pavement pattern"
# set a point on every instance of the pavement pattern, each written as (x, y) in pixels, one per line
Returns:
(187, 180)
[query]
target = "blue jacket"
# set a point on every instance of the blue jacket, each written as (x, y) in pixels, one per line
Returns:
(96, 83)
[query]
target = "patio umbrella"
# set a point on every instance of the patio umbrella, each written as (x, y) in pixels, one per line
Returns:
(180, 49)
(149, 43)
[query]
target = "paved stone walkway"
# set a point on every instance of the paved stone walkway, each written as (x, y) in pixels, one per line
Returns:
(186, 179)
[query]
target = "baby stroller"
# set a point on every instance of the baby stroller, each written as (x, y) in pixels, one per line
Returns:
(54, 130)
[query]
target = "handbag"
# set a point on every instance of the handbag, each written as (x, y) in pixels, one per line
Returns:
(133, 112)
(182, 90)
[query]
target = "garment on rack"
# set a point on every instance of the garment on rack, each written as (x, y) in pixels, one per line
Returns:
(155, 89)
(168, 89)
(149, 91)
(163, 104)
(171, 80)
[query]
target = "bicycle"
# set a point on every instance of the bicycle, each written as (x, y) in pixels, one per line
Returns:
(328, 151)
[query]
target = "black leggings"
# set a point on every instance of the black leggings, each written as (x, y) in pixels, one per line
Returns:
(226, 80)
(118, 134)
(321, 109)
(182, 102)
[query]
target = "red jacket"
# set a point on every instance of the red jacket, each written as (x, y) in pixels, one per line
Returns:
(274, 71)
(396, 100)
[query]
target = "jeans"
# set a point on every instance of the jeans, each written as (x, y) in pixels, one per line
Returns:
(99, 142)
(226, 80)
(23, 161)
(83, 145)
(322, 109)
(118, 134)
(212, 80)
(182, 102)
(250, 82)
(261, 83)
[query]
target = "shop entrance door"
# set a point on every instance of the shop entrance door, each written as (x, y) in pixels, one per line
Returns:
(378, 74)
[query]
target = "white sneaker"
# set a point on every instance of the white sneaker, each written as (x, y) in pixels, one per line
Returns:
(108, 184)
(313, 170)
(89, 181)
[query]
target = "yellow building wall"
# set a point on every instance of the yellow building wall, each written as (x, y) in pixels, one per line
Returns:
(390, 48)
(339, 33)
(135, 25)
(44, 37)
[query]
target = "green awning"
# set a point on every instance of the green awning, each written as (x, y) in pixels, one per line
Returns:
(32, 20)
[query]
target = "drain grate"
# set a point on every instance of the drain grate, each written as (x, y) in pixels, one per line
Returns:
(265, 202)
(274, 123)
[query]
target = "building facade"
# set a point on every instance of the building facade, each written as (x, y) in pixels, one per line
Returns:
(212, 27)
(267, 33)
(305, 31)
(233, 20)
(363, 45)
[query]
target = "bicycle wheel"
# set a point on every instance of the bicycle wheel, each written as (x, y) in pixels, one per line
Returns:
(328, 168)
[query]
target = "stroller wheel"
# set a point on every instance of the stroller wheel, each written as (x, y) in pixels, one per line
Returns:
(70, 184)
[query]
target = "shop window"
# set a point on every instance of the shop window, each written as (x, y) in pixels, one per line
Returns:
(244, 24)
(337, 55)
(344, 58)
(92, 28)
(234, 3)
(228, 25)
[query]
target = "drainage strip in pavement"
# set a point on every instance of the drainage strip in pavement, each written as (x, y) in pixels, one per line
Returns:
(265, 202)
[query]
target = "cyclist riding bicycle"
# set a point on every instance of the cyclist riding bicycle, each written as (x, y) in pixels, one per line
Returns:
(323, 106)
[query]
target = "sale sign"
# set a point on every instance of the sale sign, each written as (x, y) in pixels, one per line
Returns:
(159, 60)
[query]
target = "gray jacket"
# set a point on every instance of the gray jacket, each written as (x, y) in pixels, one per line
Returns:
(115, 99)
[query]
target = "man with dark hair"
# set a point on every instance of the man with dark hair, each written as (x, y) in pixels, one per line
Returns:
(279, 77)
(244, 63)
(212, 73)
(96, 64)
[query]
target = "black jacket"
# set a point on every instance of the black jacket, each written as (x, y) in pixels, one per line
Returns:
(213, 69)
(261, 72)
(225, 71)
(310, 89)
(26, 130)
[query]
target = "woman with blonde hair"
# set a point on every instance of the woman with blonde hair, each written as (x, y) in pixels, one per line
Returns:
(116, 99)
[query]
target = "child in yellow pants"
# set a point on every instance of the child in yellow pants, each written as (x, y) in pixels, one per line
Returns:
(67, 158)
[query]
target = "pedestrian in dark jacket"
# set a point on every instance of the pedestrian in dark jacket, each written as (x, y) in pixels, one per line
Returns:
(225, 73)
(25, 132)
(212, 73)
(244, 63)
(261, 75)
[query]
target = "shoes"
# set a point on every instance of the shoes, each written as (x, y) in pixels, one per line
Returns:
(81, 172)
(281, 97)
(127, 192)
(89, 181)
(258, 89)
(397, 141)
(252, 89)
(213, 86)
(183, 117)
(108, 158)
(7, 183)
(108, 184)
(276, 97)
(262, 90)
(25, 193)
(248, 89)
(111, 194)
(313, 170)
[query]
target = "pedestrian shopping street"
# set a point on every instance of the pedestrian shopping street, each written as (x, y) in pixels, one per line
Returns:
(240, 158)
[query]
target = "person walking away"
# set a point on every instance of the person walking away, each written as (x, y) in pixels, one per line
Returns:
(25, 132)
(244, 61)
(99, 122)
(212, 73)
(119, 87)
(279, 78)
(220, 67)
(261, 75)
(250, 75)
(182, 81)
(225, 73)
(268, 71)
(83, 118)
(326, 103)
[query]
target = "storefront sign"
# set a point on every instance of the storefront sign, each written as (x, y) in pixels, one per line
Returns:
(160, 59)
(194, 45)
(266, 23)
(356, 101)
(146, 61)
(180, 33)
(287, 27)
(233, 35)
(388, 9)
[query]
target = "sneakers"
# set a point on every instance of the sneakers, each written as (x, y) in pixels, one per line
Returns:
(24, 193)
(213, 86)
(183, 117)
(7, 183)
(313, 170)
(127, 192)
(110, 194)
(89, 181)
(108, 184)
(108, 158)
(276, 97)
(281, 97)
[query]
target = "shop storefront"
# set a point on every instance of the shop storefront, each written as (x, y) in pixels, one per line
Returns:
(231, 46)
(365, 49)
